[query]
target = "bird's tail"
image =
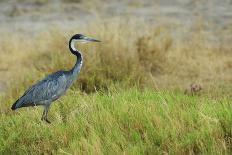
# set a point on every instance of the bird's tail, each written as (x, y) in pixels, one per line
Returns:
(14, 106)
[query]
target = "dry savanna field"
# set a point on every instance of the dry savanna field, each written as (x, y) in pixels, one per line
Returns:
(134, 94)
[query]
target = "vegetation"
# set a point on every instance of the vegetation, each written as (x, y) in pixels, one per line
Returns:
(127, 121)
(129, 96)
(154, 57)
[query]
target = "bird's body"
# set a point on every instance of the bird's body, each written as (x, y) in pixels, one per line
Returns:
(49, 89)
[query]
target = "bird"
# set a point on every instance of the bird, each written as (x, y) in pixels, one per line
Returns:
(53, 86)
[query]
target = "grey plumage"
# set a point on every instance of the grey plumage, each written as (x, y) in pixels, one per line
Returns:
(49, 89)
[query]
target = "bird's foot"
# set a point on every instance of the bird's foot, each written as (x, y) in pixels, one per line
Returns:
(45, 119)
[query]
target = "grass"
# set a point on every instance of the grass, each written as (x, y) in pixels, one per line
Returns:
(153, 58)
(129, 121)
(129, 96)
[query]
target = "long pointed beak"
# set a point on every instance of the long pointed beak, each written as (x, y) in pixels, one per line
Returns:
(91, 39)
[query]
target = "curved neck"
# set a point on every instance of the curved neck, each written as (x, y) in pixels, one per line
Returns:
(73, 49)
(76, 68)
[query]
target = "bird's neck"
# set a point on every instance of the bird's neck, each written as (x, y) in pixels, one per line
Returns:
(76, 68)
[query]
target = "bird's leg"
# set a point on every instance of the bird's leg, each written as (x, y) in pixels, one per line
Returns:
(45, 114)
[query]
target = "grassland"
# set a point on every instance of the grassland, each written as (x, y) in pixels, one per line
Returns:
(128, 98)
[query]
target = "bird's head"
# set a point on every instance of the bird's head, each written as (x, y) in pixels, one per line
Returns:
(80, 38)
(83, 38)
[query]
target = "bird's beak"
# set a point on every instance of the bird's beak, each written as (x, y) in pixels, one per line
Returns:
(88, 39)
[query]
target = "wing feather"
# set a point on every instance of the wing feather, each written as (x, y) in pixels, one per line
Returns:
(48, 89)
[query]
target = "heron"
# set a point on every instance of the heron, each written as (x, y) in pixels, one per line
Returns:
(53, 86)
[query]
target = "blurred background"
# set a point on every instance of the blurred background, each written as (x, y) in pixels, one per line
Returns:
(33, 15)
(163, 44)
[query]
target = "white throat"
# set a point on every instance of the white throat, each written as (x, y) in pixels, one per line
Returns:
(73, 45)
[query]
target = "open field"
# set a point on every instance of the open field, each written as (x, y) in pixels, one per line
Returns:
(100, 115)
(129, 97)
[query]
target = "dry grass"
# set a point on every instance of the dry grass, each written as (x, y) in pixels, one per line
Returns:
(153, 57)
